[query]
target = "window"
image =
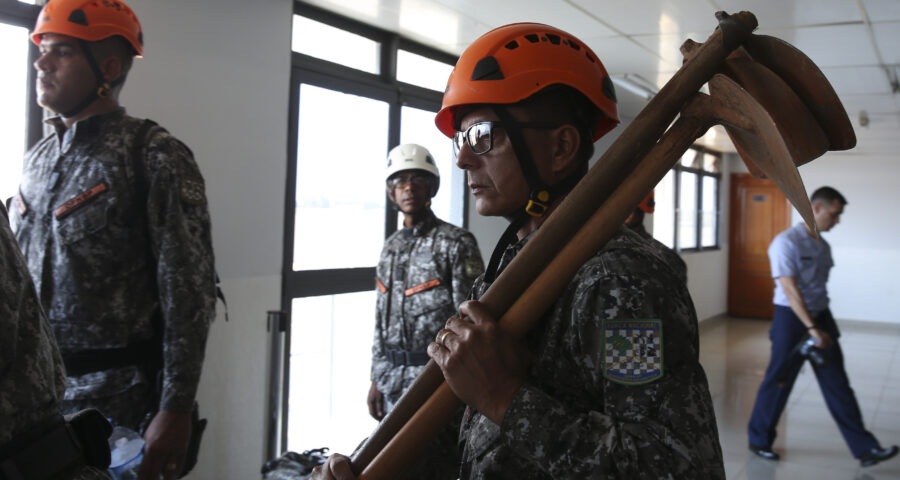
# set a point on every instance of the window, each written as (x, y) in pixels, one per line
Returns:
(686, 216)
(356, 92)
(20, 117)
(336, 180)
(319, 40)
(422, 71)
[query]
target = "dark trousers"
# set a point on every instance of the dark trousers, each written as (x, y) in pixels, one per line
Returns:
(784, 366)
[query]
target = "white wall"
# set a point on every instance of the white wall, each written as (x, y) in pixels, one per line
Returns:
(864, 283)
(216, 75)
(708, 271)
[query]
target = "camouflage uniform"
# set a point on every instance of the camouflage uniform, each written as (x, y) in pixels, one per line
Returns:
(32, 378)
(585, 409)
(425, 272)
(106, 260)
(670, 256)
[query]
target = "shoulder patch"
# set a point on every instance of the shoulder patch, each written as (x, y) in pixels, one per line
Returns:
(474, 267)
(192, 190)
(632, 351)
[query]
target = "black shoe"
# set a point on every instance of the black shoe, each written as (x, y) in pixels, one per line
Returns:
(878, 455)
(766, 452)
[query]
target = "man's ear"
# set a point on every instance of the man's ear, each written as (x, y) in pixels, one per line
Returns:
(390, 192)
(111, 68)
(564, 154)
(817, 207)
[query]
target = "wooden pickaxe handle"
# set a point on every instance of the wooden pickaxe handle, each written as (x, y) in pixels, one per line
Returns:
(437, 411)
(611, 169)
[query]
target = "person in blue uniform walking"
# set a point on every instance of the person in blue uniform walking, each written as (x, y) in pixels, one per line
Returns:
(800, 265)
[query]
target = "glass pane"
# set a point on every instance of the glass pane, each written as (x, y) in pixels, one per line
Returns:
(664, 211)
(330, 360)
(422, 71)
(687, 211)
(417, 126)
(711, 163)
(335, 45)
(339, 216)
(690, 159)
(709, 222)
(14, 100)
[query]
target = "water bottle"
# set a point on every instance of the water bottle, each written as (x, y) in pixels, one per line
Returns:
(126, 449)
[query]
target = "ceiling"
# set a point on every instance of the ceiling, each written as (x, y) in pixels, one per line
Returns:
(854, 42)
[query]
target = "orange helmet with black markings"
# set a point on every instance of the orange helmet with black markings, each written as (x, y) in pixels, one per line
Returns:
(513, 62)
(91, 21)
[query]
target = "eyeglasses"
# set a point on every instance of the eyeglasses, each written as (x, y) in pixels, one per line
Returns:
(480, 136)
(412, 178)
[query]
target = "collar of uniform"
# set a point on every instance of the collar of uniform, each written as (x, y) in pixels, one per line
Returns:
(84, 126)
(425, 225)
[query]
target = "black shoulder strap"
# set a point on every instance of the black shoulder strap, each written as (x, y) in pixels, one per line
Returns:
(140, 183)
(137, 158)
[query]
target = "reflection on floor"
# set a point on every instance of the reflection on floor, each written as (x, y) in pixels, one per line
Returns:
(735, 353)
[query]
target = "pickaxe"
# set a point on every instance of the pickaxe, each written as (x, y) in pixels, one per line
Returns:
(592, 212)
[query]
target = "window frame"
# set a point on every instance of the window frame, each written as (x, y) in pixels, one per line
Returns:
(14, 12)
(383, 86)
(698, 207)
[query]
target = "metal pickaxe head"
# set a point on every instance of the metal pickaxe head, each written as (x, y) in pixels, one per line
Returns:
(800, 129)
(810, 84)
(749, 124)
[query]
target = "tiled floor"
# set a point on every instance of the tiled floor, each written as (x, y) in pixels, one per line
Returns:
(735, 353)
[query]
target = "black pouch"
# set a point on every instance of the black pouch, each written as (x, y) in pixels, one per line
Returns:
(92, 430)
(198, 425)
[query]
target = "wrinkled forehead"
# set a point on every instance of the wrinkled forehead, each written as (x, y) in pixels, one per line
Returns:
(55, 39)
(475, 115)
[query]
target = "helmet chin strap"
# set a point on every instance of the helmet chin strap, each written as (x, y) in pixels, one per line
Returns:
(103, 87)
(540, 197)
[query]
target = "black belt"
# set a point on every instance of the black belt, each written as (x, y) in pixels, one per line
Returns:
(88, 361)
(41, 457)
(405, 358)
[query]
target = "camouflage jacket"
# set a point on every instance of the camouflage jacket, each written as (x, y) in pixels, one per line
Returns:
(615, 388)
(106, 262)
(672, 258)
(425, 272)
(32, 378)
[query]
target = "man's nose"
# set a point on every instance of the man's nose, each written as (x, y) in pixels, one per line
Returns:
(465, 159)
(42, 63)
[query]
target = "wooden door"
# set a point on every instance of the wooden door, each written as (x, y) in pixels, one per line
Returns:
(759, 211)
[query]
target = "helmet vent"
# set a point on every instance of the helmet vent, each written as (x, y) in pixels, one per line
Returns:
(608, 89)
(589, 57)
(487, 69)
(532, 37)
(574, 45)
(554, 39)
(78, 16)
(512, 45)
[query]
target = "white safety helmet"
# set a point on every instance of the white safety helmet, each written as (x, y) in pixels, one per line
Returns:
(410, 156)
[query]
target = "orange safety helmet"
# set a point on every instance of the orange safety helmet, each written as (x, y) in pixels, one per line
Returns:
(513, 62)
(91, 21)
(648, 205)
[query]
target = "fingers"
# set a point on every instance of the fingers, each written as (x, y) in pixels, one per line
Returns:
(375, 401)
(474, 312)
(336, 468)
(151, 466)
(173, 467)
(156, 464)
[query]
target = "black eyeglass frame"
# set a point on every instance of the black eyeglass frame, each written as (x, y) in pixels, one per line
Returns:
(414, 178)
(463, 136)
